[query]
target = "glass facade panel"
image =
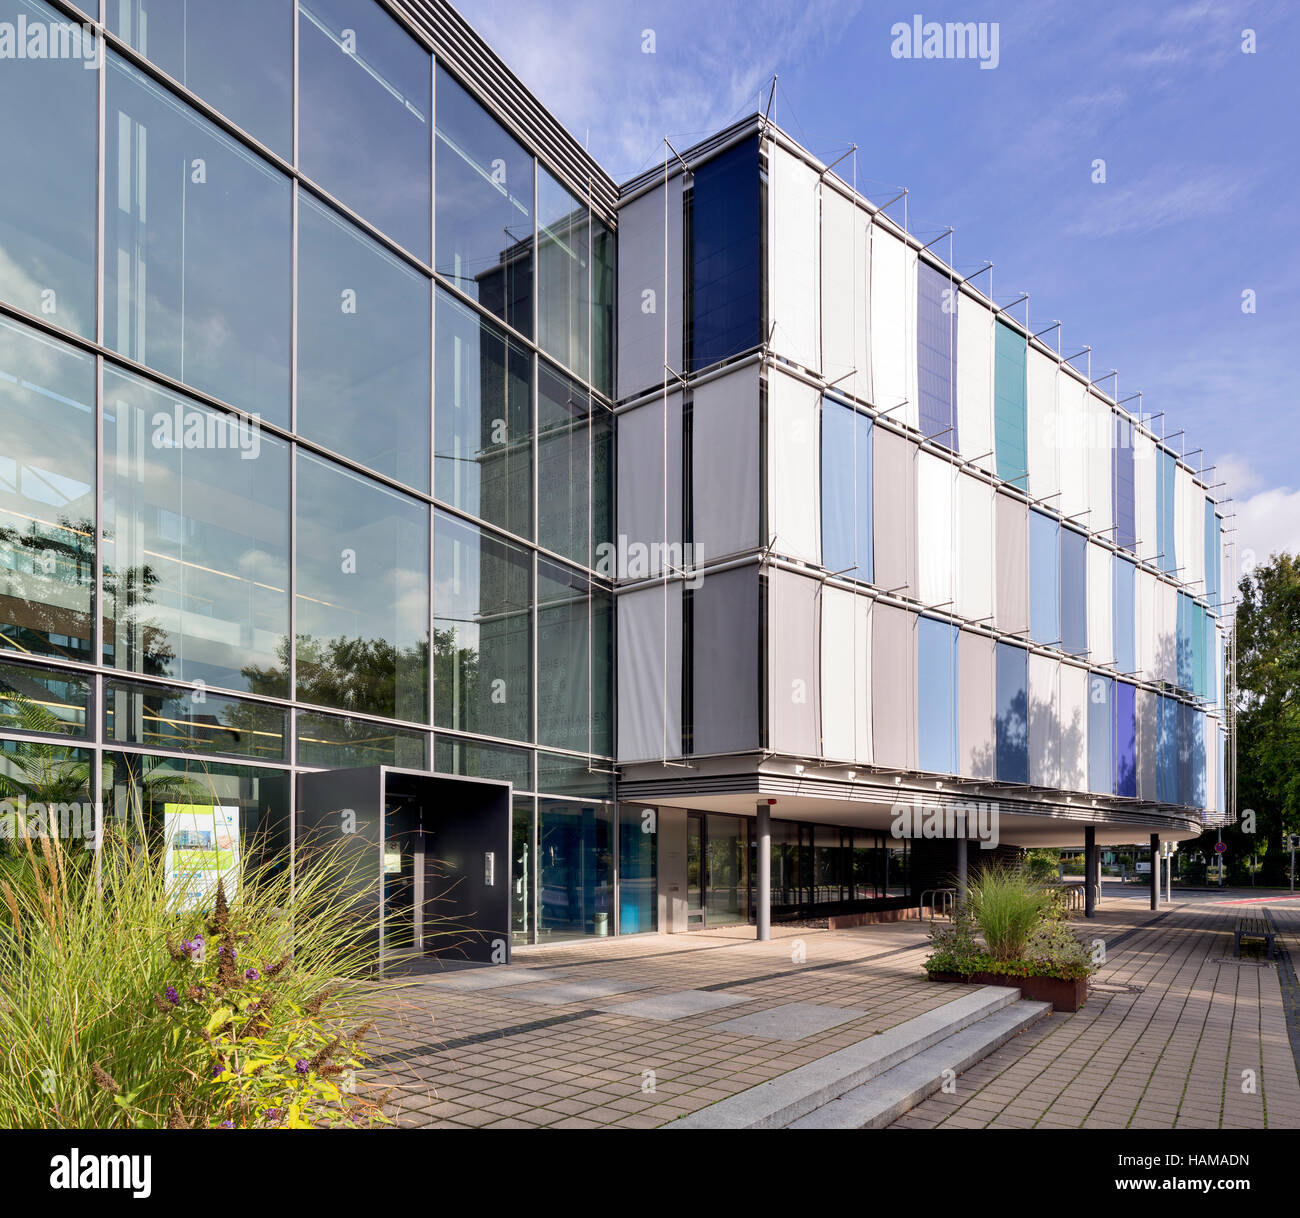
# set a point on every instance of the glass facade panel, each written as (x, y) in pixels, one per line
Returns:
(237, 55)
(48, 187)
(847, 461)
(575, 869)
(726, 893)
(604, 288)
(33, 772)
(363, 348)
(482, 632)
(364, 100)
(638, 854)
(43, 700)
(1044, 579)
(937, 696)
(937, 355)
(725, 256)
(1074, 592)
(558, 774)
(473, 760)
(193, 721)
(483, 419)
(1101, 775)
(564, 481)
(362, 593)
(563, 275)
(574, 662)
(196, 541)
(47, 495)
(484, 207)
(522, 865)
(1012, 723)
(198, 263)
(156, 791)
(334, 743)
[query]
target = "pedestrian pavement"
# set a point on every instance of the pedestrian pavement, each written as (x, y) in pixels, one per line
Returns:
(637, 1032)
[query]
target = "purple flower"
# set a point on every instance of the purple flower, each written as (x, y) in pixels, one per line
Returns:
(234, 951)
(272, 1114)
(218, 1070)
(172, 996)
(301, 1066)
(251, 974)
(227, 1124)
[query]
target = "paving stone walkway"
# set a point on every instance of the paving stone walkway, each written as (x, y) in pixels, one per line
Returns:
(638, 1032)
(1176, 1034)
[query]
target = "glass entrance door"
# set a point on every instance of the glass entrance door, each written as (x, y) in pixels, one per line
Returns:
(717, 870)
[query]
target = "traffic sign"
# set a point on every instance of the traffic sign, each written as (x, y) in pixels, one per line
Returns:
(1220, 847)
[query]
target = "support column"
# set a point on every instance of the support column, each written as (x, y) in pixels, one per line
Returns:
(961, 866)
(763, 887)
(1155, 871)
(1090, 872)
(1169, 876)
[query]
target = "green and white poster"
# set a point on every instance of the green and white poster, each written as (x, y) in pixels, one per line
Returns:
(202, 844)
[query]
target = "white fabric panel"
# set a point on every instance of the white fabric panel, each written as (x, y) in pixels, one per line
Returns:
(650, 673)
(793, 218)
(794, 464)
(725, 465)
(1101, 606)
(1074, 728)
(1146, 608)
(934, 518)
(975, 529)
(1166, 632)
(846, 293)
(1072, 428)
(1044, 478)
(642, 318)
(1044, 733)
(643, 491)
(1144, 494)
(1101, 440)
(893, 326)
(794, 664)
(846, 687)
(975, 382)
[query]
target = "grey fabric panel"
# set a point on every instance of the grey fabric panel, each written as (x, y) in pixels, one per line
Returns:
(641, 269)
(1147, 732)
(794, 665)
(893, 687)
(725, 662)
(642, 487)
(725, 465)
(643, 669)
(894, 501)
(1011, 561)
(977, 746)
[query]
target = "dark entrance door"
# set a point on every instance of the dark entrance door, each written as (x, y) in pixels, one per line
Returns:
(432, 854)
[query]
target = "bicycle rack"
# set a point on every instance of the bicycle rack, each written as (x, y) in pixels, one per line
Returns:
(943, 902)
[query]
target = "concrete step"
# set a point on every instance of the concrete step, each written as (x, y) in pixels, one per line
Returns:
(887, 1096)
(783, 1100)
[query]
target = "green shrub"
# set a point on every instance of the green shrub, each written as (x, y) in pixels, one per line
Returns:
(121, 1007)
(1042, 866)
(1007, 904)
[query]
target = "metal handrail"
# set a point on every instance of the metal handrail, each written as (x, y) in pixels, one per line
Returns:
(944, 902)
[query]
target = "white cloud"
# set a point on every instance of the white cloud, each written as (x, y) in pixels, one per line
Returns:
(1268, 523)
(1158, 200)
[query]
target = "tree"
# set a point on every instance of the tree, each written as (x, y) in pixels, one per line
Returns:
(1268, 716)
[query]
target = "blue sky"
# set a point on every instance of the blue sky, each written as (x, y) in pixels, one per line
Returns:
(1199, 141)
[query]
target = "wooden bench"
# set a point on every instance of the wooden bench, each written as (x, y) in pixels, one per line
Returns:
(1253, 926)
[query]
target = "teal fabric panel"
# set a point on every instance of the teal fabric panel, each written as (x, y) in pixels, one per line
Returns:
(1010, 407)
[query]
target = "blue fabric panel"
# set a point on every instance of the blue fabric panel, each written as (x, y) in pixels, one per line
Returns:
(1186, 714)
(1167, 752)
(1198, 759)
(847, 462)
(1125, 483)
(1012, 714)
(1074, 592)
(726, 257)
(1044, 579)
(1166, 466)
(1100, 728)
(936, 696)
(936, 334)
(1123, 580)
(1124, 741)
(1010, 406)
